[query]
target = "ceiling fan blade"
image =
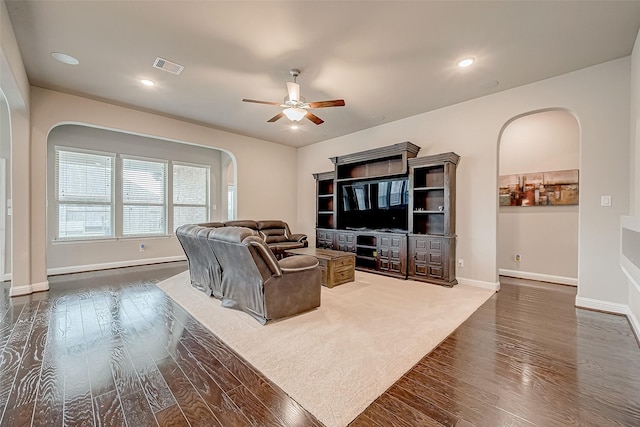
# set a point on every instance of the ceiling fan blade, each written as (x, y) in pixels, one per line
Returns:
(324, 104)
(294, 91)
(315, 119)
(276, 117)
(261, 102)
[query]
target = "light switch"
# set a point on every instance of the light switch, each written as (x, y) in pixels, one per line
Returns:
(605, 201)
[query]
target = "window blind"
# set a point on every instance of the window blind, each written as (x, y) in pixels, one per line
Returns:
(190, 194)
(84, 194)
(144, 201)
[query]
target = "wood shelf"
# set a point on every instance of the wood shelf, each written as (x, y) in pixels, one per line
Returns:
(432, 219)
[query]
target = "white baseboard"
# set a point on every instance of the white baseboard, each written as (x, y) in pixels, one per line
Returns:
(479, 283)
(635, 324)
(539, 277)
(15, 291)
(7, 277)
(109, 265)
(609, 307)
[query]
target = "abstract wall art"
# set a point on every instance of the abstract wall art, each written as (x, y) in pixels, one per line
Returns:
(539, 189)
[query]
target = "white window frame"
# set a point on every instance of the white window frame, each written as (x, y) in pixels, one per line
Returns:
(164, 204)
(207, 204)
(57, 202)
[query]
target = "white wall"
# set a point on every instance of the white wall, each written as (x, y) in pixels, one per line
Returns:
(546, 237)
(598, 97)
(265, 177)
(15, 87)
(68, 256)
(5, 153)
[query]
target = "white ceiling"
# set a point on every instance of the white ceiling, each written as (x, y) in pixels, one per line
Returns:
(387, 59)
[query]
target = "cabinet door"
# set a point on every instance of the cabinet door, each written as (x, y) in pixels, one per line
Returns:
(325, 238)
(346, 241)
(435, 257)
(427, 257)
(418, 256)
(392, 253)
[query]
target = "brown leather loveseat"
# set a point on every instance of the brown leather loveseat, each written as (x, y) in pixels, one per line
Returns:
(235, 265)
(275, 233)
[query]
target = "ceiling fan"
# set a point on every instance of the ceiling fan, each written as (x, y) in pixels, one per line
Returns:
(295, 106)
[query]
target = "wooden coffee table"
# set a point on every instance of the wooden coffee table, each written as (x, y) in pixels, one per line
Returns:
(337, 267)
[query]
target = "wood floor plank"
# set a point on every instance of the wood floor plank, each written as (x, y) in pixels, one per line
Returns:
(137, 411)
(24, 391)
(78, 404)
(108, 409)
(194, 408)
(124, 373)
(153, 384)
(12, 354)
(171, 417)
(219, 403)
(100, 376)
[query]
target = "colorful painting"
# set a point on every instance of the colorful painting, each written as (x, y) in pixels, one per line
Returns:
(539, 189)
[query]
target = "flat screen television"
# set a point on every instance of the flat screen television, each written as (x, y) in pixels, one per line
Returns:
(375, 204)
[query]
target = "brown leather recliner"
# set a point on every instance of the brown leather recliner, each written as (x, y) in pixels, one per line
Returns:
(254, 281)
(204, 269)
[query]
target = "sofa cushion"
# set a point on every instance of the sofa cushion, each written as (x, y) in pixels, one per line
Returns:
(273, 235)
(242, 223)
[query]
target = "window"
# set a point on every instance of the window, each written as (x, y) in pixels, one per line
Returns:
(84, 194)
(190, 191)
(231, 195)
(144, 201)
(98, 195)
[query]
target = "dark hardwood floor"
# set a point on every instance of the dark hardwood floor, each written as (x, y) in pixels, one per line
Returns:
(109, 348)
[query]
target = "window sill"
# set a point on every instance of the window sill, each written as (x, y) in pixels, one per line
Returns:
(111, 239)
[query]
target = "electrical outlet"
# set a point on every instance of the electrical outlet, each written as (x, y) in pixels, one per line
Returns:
(460, 262)
(141, 247)
(517, 257)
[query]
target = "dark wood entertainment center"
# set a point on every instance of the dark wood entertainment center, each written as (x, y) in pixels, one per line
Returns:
(413, 198)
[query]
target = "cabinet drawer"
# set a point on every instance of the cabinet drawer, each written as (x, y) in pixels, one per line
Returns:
(343, 276)
(342, 263)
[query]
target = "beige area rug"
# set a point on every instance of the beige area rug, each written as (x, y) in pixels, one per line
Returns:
(339, 358)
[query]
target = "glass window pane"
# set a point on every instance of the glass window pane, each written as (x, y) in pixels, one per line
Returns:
(143, 220)
(75, 221)
(143, 181)
(188, 215)
(83, 177)
(190, 185)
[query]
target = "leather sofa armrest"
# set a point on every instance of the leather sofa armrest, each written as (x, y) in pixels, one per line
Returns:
(298, 263)
(297, 238)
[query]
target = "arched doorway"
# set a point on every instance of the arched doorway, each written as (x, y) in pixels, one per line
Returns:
(538, 234)
(5, 188)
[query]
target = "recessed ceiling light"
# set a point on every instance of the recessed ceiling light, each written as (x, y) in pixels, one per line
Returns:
(64, 58)
(466, 62)
(294, 127)
(147, 82)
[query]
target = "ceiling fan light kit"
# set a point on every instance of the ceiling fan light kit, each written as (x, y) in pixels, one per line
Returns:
(295, 106)
(295, 114)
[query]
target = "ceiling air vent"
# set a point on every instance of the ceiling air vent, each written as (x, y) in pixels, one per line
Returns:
(168, 66)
